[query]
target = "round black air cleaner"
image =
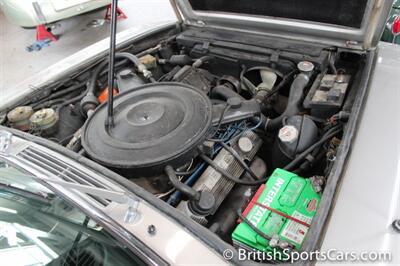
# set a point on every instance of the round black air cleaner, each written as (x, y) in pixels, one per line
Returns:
(154, 125)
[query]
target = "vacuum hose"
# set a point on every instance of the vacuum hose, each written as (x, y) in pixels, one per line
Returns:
(90, 102)
(186, 190)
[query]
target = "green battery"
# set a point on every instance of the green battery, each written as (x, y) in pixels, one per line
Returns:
(283, 207)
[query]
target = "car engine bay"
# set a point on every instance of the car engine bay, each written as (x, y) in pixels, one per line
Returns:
(236, 136)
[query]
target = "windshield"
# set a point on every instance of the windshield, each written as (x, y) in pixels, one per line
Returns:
(37, 227)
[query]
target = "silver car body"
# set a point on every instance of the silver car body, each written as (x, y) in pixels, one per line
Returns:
(368, 200)
(32, 13)
(171, 242)
(368, 196)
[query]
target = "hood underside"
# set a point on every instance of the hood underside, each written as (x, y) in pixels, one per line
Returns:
(354, 24)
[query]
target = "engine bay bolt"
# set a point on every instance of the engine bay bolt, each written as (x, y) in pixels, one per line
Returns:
(151, 229)
(396, 225)
(274, 242)
(283, 244)
(288, 134)
(317, 182)
(245, 144)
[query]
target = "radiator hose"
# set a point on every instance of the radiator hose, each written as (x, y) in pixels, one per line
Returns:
(293, 106)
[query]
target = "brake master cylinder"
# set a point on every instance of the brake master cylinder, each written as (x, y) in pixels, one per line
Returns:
(44, 121)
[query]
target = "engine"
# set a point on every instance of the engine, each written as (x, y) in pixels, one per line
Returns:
(202, 129)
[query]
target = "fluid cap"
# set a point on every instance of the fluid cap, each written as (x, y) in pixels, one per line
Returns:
(19, 117)
(288, 134)
(44, 120)
(126, 73)
(245, 144)
(305, 66)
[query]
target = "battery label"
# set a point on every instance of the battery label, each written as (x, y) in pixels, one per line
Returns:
(294, 231)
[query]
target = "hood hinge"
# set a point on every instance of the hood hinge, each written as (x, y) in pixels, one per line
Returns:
(353, 45)
(197, 23)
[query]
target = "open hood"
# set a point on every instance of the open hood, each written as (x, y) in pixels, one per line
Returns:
(356, 24)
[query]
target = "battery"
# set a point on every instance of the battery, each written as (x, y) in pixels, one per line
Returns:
(282, 208)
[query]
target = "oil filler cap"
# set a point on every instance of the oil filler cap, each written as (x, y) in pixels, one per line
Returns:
(245, 144)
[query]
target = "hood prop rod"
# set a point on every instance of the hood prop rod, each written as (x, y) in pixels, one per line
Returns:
(113, 28)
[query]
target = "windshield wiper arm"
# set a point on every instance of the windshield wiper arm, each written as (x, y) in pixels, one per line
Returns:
(120, 197)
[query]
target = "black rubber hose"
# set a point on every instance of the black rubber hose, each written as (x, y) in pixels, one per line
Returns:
(314, 156)
(186, 190)
(69, 101)
(59, 94)
(93, 80)
(66, 91)
(329, 134)
(94, 77)
(293, 106)
(231, 177)
(48, 103)
(185, 172)
(200, 61)
(224, 92)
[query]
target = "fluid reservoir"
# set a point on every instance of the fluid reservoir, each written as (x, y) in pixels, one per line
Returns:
(296, 135)
(19, 117)
(45, 122)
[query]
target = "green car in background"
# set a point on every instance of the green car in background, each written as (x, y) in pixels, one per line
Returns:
(391, 35)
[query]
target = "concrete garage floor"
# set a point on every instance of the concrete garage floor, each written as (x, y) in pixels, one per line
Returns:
(17, 64)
